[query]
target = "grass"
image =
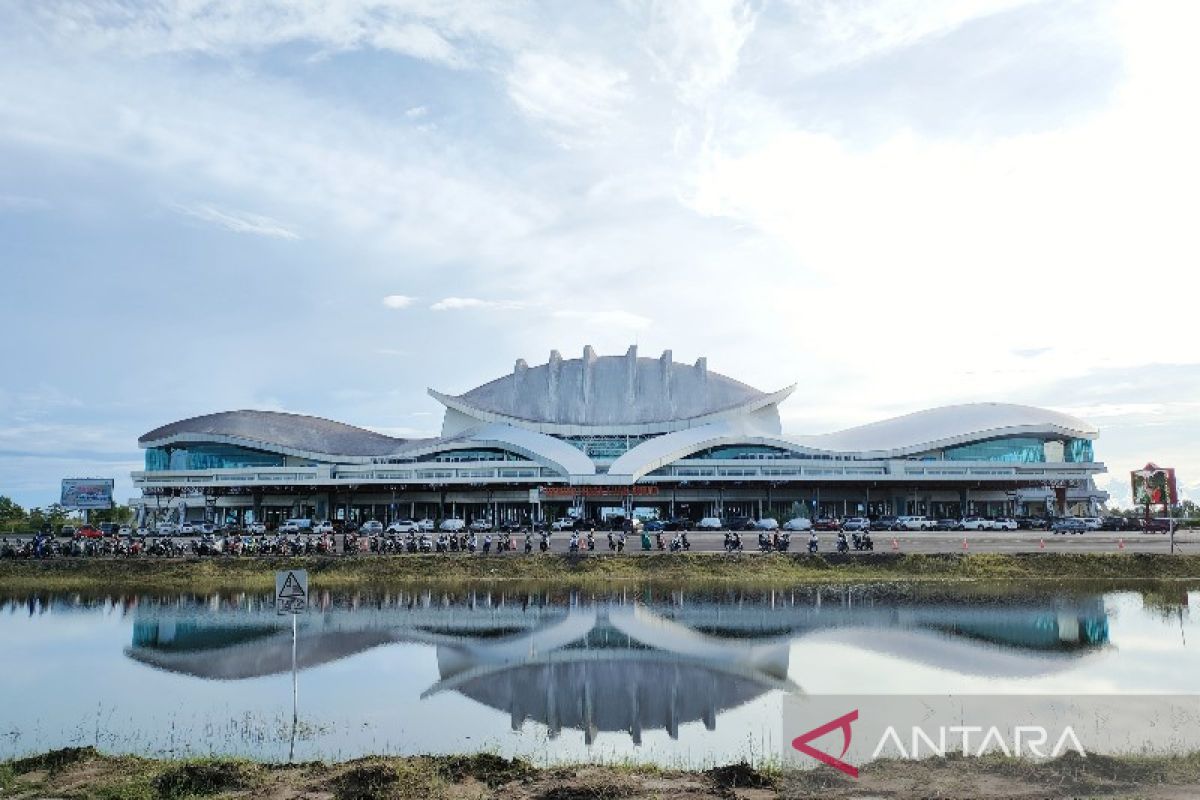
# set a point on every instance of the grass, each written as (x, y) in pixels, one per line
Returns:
(88, 774)
(257, 574)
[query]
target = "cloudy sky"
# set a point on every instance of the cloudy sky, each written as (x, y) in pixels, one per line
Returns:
(328, 207)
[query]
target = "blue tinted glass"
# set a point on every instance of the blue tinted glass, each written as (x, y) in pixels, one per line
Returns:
(1015, 448)
(1078, 451)
(208, 456)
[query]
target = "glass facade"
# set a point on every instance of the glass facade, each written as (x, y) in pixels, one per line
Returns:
(745, 452)
(1020, 449)
(478, 454)
(1078, 451)
(208, 456)
(605, 446)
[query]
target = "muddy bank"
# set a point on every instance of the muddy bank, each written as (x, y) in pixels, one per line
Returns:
(257, 574)
(85, 773)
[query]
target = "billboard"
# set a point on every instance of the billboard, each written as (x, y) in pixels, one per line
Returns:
(84, 493)
(1154, 485)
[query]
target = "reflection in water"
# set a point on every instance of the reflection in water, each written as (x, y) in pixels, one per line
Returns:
(616, 663)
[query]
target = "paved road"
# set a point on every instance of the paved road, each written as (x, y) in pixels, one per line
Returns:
(932, 542)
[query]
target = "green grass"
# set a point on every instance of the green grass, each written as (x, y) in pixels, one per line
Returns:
(257, 574)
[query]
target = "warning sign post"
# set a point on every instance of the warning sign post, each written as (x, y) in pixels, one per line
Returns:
(291, 591)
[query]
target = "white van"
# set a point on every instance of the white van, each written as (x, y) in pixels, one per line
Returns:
(914, 523)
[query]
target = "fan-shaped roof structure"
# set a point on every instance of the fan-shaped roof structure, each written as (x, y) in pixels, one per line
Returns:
(613, 394)
(278, 432)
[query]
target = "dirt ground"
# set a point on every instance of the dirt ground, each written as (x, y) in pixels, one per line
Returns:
(85, 773)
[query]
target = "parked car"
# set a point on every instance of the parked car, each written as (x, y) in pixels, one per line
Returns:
(372, 527)
(709, 524)
(883, 524)
(425, 525)
(914, 523)
(87, 532)
(1068, 525)
(798, 524)
(109, 528)
(166, 529)
(768, 524)
(975, 524)
(124, 530)
(402, 526)
(1004, 524)
(655, 525)
(563, 524)
(946, 524)
(480, 525)
(206, 528)
(1092, 523)
(452, 525)
(826, 524)
(740, 523)
(256, 528)
(1156, 526)
(323, 527)
(678, 524)
(856, 524)
(188, 529)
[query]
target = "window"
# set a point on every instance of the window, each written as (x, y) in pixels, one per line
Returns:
(1019, 449)
(1078, 451)
(209, 456)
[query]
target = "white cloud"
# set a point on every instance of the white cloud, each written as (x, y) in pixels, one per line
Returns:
(239, 222)
(398, 301)
(464, 303)
(579, 98)
(696, 44)
(605, 319)
(416, 111)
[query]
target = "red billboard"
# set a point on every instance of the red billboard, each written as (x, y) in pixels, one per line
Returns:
(1154, 485)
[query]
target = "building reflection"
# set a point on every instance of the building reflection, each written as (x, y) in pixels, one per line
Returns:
(616, 665)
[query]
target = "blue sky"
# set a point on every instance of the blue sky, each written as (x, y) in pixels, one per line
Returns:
(327, 208)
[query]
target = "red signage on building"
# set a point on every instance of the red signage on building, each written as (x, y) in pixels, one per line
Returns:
(598, 491)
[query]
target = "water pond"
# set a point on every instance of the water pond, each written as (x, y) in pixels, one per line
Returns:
(677, 677)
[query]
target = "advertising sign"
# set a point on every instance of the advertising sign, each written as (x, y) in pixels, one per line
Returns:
(1154, 485)
(86, 493)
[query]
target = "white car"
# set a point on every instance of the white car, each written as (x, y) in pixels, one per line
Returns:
(709, 524)
(188, 529)
(481, 525)
(1004, 524)
(975, 524)
(856, 524)
(206, 527)
(371, 527)
(1092, 523)
(256, 528)
(914, 523)
(403, 526)
(167, 529)
(767, 524)
(563, 524)
(425, 525)
(452, 525)
(125, 530)
(798, 524)
(325, 526)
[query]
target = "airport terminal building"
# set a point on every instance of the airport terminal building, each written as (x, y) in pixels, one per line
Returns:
(598, 436)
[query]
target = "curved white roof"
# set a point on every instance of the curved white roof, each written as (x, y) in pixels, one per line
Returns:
(277, 432)
(611, 394)
(891, 438)
(948, 426)
(553, 453)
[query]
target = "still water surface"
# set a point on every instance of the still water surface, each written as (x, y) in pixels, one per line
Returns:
(668, 676)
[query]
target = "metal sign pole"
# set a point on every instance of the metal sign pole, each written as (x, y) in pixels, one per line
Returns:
(295, 695)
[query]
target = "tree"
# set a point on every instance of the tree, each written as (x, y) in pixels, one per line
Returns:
(12, 515)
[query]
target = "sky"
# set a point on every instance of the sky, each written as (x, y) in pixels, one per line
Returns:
(327, 208)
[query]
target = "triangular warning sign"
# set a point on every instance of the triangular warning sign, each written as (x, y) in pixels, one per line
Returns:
(291, 587)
